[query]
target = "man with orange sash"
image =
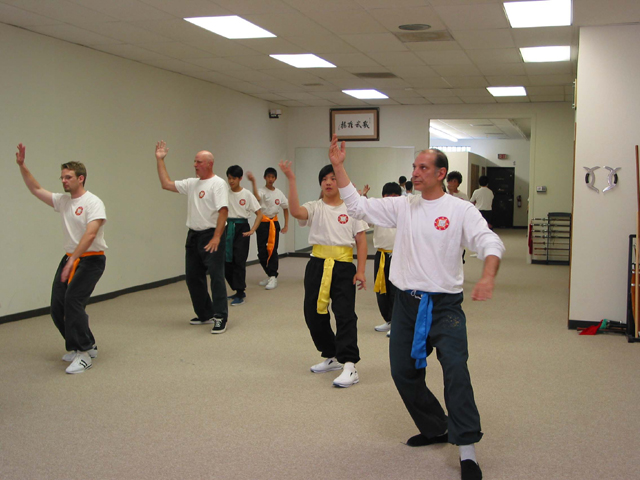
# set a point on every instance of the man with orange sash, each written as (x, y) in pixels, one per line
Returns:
(331, 275)
(83, 218)
(268, 234)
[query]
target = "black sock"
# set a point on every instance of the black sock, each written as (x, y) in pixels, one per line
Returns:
(420, 440)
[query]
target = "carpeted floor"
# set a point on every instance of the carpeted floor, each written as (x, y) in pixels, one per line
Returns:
(167, 400)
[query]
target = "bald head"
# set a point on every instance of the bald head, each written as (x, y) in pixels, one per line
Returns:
(203, 164)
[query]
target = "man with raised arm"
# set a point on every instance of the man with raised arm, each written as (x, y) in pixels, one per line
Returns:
(83, 218)
(207, 211)
(432, 230)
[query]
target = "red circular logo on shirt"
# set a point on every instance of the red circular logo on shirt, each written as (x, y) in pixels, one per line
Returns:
(441, 223)
(277, 201)
(243, 202)
(79, 211)
(201, 194)
(343, 219)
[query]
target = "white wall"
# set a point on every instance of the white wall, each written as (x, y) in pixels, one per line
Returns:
(67, 102)
(607, 120)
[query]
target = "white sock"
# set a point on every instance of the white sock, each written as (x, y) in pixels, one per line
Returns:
(350, 366)
(468, 452)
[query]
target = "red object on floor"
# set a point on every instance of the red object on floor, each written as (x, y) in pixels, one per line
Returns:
(592, 330)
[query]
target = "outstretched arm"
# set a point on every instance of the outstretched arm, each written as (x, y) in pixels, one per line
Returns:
(337, 155)
(252, 179)
(29, 180)
(165, 181)
(362, 249)
(483, 290)
(297, 211)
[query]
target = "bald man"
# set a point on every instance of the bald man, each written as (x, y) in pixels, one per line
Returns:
(207, 211)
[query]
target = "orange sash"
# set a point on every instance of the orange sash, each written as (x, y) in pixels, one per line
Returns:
(75, 264)
(271, 241)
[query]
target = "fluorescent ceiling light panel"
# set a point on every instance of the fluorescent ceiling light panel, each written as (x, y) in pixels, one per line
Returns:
(441, 134)
(548, 13)
(365, 94)
(546, 54)
(507, 91)
(230, 26)
(304, 60)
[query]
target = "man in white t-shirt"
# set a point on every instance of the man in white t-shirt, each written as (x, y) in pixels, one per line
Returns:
(427, 270)
(242, 204)
(268, 234)
(83, 218)
(330, 275)
(454, 179)
(207, 210)
(482, 198)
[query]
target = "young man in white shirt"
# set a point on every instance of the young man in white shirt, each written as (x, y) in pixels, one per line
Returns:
(482, 198)
(83, 218)
(242, 203)
(207, 210)
(427, 270)
(454, 179)
(268, 234)
(331, 275)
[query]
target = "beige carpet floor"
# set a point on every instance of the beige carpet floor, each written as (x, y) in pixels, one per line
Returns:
(166, 400)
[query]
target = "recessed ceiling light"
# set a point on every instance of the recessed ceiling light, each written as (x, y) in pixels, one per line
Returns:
(415, 27)
(365, 94)
(507, 91)
(230, 26)
(547, 13)
(305, 60)
(546, 54)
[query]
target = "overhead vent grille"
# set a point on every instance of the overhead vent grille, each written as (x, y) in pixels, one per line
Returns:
(413, 37)
(376, 75)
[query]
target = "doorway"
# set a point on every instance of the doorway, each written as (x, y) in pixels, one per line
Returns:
(501, 182)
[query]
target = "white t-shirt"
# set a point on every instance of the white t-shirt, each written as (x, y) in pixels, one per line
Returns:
(271, 201)
(242, 204)
(461, 195)
(76, 213)
(427, 254)
(205, 198)
(330, 225)
(383, 238)
(483, 198)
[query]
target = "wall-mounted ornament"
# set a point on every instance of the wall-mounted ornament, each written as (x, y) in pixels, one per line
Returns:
(612, 179)
(590, 178)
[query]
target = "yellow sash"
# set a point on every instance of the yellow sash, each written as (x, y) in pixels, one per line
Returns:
(330, 254)
(380, 285)
(271, 240)
(75, 264)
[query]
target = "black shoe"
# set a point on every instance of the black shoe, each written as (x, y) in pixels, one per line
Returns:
(422, 441)
(197, 321)
(219, 325)
(231, 297)
(470, 470)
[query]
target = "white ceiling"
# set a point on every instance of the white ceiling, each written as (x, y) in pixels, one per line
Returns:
(483, 128)
(477, 48)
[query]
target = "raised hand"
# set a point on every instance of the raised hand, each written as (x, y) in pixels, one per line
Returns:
(251, 177)
(285, 166)
(365, 190)
(20, 154)
(161, 150)
(337, 154)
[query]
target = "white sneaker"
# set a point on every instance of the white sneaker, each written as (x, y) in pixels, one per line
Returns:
(81, 362)
(264, 282)
(348, 377)
(328, 365)
(69, 356)
(385, 327)
(272, 283)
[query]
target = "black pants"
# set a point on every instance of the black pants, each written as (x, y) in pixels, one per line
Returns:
(344, 343)
(199, 263)
(270, 265)
(69, 300)
(448, 335)
(488, 216)
(385, 300)
(235, 271)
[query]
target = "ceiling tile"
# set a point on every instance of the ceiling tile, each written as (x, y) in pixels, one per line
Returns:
(488, 99)
(502, 69)
(375, 42)
(350, 60)
(299, 96)
(62, 10)
(247, 87)
(432, 46)
(252, 76)
(467, 81)
(175, 66)
(457, 70)
(474, 39)
(396, 59)
(218, 64)
(126, 9)
(259, 62)
(330, 73)
(398, 93)
(388, 83)
(357, 70)
(547, 98)
(495, 55)
(293, 103)
(278, 86)
(322, 44)
(557, 90)
(176, 50)
(125, 32)
(508, 80)
(287, 24)
(473, 17)
(189, 8)
(351, 84)
(428, 82)
(446, 57)
(549, 68)
(132, 52)
(392, 3)
(512, 99)
(271, 46)
(414, 101)
(293, 75)
(218, 78)
(544, 36)
(246, 7)
(435, 92)
(73, 34)
(416, 71)
(349, 22)
(471, 92)
(22, 18)
(313, 7)
(270, 96)
(538, 80)
(393, 17)
(444, 100)
(319, 102)
(337, 97)
(381, 101)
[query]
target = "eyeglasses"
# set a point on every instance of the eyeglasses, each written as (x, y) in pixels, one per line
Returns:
(68, 177)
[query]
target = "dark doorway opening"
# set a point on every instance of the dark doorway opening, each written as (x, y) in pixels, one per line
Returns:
(502, 184)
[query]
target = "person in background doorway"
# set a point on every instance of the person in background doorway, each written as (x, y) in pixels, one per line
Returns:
(454, 179)
(482, 198)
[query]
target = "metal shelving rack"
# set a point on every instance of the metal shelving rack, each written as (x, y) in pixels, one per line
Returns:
(631, 333)
(551, 239)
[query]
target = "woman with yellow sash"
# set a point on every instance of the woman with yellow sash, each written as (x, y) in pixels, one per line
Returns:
(330, 275)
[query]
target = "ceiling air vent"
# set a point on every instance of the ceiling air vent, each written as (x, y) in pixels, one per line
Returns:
(413, 37)
(375, 75)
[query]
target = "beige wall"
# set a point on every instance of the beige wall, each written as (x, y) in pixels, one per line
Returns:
(66, 102)
(607, 120)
